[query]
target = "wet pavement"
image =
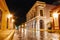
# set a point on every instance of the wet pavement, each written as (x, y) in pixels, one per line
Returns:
(24, 34)
(4, 34)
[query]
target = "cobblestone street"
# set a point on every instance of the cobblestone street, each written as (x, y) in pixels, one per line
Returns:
(35, 35)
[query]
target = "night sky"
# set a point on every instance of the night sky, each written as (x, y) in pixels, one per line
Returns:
(21, 7)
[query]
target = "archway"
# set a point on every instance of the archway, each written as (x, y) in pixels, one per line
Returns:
(0, 17)
(41, 24)
(59, 21)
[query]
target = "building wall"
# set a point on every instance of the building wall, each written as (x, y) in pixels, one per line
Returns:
(5, 12)
(35, 10)
(56, 21)
(46, 8)
(39, 23)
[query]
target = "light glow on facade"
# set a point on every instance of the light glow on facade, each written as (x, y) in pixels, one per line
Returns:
(55, 15)
(9, 16)
(56, 22)
(13, 20)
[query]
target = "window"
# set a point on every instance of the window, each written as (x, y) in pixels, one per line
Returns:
(50, 13)
(41, 24)
(41, 12)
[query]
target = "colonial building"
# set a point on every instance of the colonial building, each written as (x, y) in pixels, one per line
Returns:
(39, 20)
(56, 17)
(40, 12)
(3, 14)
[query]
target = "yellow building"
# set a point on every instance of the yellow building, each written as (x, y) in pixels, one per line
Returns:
(3, 14)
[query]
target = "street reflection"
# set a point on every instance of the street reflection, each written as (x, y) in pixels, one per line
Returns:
(25, 34)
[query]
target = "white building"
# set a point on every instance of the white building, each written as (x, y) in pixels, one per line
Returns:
(38, 19)
(40, 12)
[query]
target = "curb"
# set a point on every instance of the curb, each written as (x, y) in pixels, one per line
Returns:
(10, 36)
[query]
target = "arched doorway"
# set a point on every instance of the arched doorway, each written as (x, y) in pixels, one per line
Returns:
(0, 17)
(41, 32)
(41, 24)
(59, 21)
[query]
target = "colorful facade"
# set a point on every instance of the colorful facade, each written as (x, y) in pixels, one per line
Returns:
(3, 15)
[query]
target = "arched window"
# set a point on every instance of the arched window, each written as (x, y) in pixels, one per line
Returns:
(41, 12)
(41, 24)
(0, 17)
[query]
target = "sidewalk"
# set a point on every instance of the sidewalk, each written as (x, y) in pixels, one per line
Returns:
(5, 33)
(16, 35)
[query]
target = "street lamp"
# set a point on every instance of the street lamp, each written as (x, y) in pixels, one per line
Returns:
(13, 23)
(55, 15)
(13, 20)
(55, 20)
(9, 16)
